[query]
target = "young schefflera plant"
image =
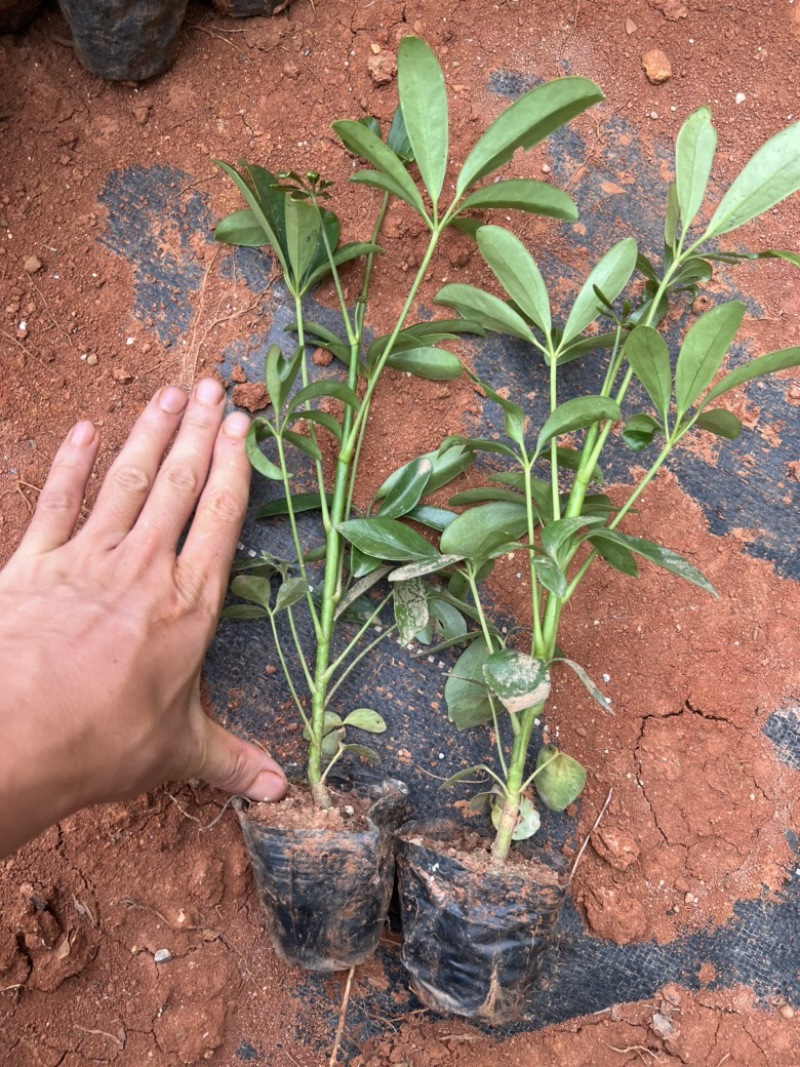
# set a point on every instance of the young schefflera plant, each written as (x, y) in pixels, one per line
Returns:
(289, 214)
(562, 521)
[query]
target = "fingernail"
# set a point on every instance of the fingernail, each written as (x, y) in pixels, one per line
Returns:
(209, 391)
(82, 433)
(267, 787)
(236, 424)
(172, 400)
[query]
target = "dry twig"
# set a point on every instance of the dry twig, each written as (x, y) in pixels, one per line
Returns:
(342, 1017)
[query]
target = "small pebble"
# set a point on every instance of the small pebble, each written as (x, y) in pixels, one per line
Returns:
(32, 264)
(740, 98)
(787, 1011)
(545, 169)
(162, 955)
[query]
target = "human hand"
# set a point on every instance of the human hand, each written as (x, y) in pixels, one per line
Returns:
(102, 634)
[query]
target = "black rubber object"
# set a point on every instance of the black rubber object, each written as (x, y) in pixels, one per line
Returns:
(473, 943)
(125, 40)
(325, 892)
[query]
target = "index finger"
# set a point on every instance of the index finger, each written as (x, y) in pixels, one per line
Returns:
(205, 560)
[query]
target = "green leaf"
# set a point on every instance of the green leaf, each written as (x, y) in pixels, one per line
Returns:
(448, 463)
(694, 155)
(561, 534)
(325, 387)
(332, 733)
(290, 592)
(482, 496)
(435, 330)
(610, 276)
(243, 611)
(362, 142)
(241, 228)
(672, 216)
(423, 101)
(515, 269)
(257, 458)
(478, 533)
(466, 693)
(434, 518)
(550, 575)
(647, 352)
(489, 310)
(299, 501)
(525, 123)
(576, 414)
(303, 443)
(480, 444)
(560, 778)
(518, 680)
(321, 418)
(449, 621)
(662, 557)
(639, 431)
(582, 345)
(266, 205)
(423, 567)
(523, 194)
(703, 351)
(397, 137)
(407, 490)
(621, 559)
(433, 364)
(256, 590)
(315, 334)
(366, 755)
(365, 719)
(587, 683)
(410, 608)
(386, 539)
(302, 232)
(756, 368)
(771, 175)
(720, 422)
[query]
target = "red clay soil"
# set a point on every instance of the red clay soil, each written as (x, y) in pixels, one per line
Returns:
(700, 802)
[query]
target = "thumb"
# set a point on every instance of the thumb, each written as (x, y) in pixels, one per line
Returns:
(239, 767)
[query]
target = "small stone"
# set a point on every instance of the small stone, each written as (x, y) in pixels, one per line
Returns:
(656, 66)
(32, 264)
(238, 375)
(663, 1026)
(122, 375)
(162, 955)
(141, 113)
(545, 168)
(672, 10)
(382, 68)
(740, 98)
(91, 359)
(787, 1011)
(630, 26)
(376, 48)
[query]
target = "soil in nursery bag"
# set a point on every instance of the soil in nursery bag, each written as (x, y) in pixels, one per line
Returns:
(325, 878)
(474, 936)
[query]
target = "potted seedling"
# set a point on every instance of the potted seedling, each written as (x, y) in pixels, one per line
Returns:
(310, 598)
(474, 930)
